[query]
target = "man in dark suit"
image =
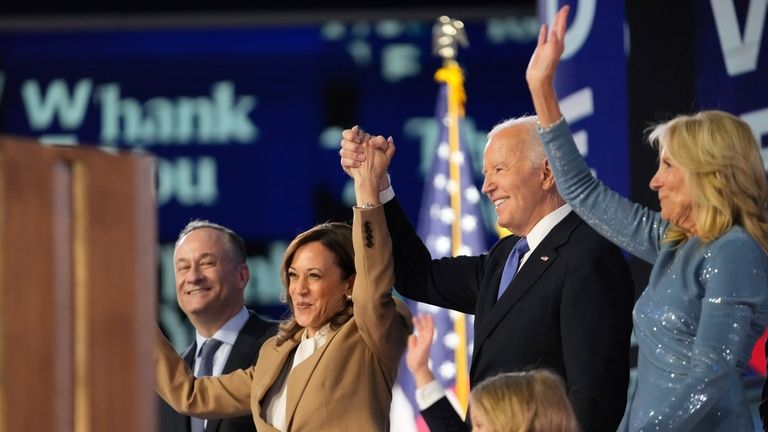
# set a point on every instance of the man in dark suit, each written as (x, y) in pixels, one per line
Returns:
(567, 305)
(211, 276)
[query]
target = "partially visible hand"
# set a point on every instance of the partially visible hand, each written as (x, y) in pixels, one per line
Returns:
(351, 152)
(352, 148)
(546, 56)
(378, 152)
(419, 343)
(357, 146)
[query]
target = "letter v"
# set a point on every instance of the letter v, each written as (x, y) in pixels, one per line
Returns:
(740, 55)
(70, 109)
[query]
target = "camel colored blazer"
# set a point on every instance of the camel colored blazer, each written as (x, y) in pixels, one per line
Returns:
(346, 385)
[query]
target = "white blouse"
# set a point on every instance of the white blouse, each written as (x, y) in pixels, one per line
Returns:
(276, 397)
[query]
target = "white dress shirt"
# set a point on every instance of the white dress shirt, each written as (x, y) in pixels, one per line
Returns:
(227, 334)
(277, 395)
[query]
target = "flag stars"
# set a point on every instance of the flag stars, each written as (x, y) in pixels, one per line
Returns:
(472, 195)
(451, 186)
(469, 223)
(439, 181)
(464, 250)
(451, 340)
(443, 245)
(457, 158)
(447, 215)
(447, 370)
(443, 150)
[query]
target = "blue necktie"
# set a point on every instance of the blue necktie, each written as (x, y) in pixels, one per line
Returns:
(513, 262)
(207, 352)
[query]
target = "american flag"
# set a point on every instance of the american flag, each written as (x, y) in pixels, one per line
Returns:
(449, 226)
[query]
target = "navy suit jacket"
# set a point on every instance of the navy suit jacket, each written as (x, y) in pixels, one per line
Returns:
(568, 310)
(244, 353)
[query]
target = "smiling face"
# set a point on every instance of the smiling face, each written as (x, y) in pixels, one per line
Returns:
(674, 194)
(316, 286)
(516, 186)
(209, 284)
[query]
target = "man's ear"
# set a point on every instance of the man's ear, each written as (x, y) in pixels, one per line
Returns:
(243, 275)
(547, 177)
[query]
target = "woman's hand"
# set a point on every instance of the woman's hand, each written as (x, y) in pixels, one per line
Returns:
(546, 56)
(371, 156)
(541, 69)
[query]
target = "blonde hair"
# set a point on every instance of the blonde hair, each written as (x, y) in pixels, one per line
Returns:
(337, 238)
(533, 401)
(724, 169)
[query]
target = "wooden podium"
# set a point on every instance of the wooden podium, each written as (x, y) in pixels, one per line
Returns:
(78, 289)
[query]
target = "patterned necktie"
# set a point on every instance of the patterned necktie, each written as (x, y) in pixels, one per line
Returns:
(513, 262)
(207, 352)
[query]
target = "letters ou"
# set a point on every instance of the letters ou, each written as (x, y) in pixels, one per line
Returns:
(579, 30)
(189, 181)
(740, 55)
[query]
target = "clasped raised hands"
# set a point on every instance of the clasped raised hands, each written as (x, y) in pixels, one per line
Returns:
(365, 157)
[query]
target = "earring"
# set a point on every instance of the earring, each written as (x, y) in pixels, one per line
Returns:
(349, 297)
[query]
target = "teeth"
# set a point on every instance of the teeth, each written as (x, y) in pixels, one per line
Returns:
(499, 202)
(198, 290)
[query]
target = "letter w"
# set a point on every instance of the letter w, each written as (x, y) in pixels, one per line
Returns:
(740, 55)
(68, 108)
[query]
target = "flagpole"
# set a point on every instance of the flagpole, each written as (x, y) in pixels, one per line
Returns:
(447, 34)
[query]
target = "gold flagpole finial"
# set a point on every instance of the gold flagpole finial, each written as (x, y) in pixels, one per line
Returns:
(447, 35)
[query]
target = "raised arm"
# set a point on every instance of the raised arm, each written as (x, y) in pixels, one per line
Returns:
(633, 227)
(384, 323)
(210, 397)
(541, 69)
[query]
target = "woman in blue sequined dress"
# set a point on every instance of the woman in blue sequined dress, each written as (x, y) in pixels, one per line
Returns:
(706, 302)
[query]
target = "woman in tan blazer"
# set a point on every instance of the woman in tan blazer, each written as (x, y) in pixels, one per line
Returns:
(333, 363)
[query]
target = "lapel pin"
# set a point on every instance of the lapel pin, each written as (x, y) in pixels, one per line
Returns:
(544, 258)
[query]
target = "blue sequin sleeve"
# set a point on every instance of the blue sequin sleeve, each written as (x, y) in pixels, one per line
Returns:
(633, 227)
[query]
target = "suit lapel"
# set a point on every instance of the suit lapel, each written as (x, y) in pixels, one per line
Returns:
(246, 346)
(277, 355)
(540, 259)
(189, 355)
(184, 423)
(244, 351)
(497, 257)
(299, 378)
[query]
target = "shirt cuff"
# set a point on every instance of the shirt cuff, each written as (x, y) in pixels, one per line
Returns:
(429, 394)
(387, 194)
